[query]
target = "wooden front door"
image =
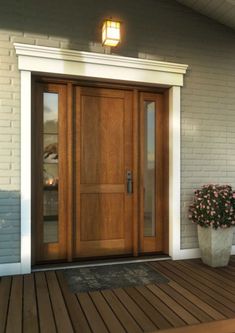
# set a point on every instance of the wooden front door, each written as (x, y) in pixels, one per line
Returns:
(104, 165)
(100, 172)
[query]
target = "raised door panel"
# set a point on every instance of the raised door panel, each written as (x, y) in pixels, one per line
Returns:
(107, 211)
(102, 139)
(103, 146)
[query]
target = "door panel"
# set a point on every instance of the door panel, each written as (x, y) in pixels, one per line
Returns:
(104, 153)
(102, 139)
(101, 216)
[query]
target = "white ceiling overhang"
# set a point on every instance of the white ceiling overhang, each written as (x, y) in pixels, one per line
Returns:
(222, 11)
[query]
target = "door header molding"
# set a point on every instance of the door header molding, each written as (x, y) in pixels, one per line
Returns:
(96, 65)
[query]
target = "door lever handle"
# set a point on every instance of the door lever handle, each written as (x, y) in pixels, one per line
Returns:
(129, 182)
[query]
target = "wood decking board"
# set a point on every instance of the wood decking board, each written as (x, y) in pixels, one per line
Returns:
(220, 294)
(5, 289)
(77, 316)
(112, 323)
(168, 313)
(14, 318)
(91, 313)
(206, 294)
(213, 276)
(122, 314)
(30, 315)
(196, 299)
(209, 282)
(222, 326)
(45, 312)
(171, 303)
(184, 302)
(208, 311)
(143, 321)
(62, 319)
(158, 320)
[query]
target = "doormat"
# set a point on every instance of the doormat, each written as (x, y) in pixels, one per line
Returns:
(112, 276)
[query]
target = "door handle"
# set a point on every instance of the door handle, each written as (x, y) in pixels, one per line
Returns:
(129, 182)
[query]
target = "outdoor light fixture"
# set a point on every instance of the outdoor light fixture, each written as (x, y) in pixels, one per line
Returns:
(111, 33)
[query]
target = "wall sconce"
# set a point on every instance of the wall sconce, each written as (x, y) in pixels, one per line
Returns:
(111, 33)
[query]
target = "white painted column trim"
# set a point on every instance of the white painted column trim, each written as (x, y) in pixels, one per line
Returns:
(10, 269)
(24, 266)
(174, 172)
(25, 171)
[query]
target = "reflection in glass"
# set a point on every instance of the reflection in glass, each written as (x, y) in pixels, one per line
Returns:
(50, 114)
(149, 168)
(50, 175)
(50, 204)
(50, 148)
(50, 231)
(50, 167)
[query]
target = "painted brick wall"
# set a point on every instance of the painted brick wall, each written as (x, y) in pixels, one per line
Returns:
(154, 29)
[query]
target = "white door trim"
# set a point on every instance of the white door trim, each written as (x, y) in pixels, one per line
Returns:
(40, 59)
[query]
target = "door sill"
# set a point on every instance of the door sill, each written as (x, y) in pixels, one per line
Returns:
(96, 263)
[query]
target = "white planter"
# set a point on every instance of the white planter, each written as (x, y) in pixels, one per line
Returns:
(215, 245)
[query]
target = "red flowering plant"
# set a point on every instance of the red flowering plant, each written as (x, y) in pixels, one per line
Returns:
(213, 206)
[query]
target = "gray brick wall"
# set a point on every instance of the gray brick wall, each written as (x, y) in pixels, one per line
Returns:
(154, 29)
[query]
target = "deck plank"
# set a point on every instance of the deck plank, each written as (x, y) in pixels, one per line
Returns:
(30, 316)
(79, 321)
(62, 319)
(210, 282)
(156, 317)
(196, 288)
(212, 275)
(106, 313)
(165, 311)
(91, 313)
(222, 326)
(206, 308)
(45, 312)
(144, 322)
(225, 298)
(171, 303)
(183, 301)
(5, 289)
(14, 319)
(124, 317)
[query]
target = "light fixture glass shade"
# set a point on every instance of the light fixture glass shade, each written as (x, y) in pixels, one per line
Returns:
(111, 33)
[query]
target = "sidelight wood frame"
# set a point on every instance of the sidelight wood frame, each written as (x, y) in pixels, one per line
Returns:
(156, 243)
(56, 250)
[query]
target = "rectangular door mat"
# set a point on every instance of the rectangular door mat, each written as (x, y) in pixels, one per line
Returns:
(112, 276)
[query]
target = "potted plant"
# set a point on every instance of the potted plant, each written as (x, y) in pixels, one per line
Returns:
(213, 210)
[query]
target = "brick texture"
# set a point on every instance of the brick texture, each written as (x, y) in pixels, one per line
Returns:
(154, 29)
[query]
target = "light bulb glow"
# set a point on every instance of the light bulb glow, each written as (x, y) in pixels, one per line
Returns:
(111, 33)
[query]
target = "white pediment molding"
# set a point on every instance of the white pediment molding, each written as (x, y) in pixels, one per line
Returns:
(36, 58)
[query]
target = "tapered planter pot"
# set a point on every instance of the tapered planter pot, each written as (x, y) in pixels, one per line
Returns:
(215, 245)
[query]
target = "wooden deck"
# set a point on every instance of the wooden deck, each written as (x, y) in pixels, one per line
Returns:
(197, 299)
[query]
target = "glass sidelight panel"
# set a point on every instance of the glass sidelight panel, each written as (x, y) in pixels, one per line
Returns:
(50, 167)
(149, 168)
